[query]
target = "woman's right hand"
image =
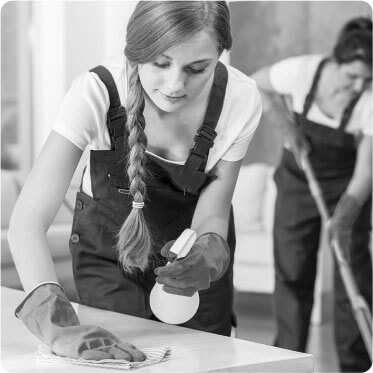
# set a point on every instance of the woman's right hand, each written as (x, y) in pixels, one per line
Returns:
(296, 142)
(341, 222)
(293, 136)
(278, 110)
(49, 315)
(207, 261)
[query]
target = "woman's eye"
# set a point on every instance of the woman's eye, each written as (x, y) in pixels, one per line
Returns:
(352, 76)
(196, 71)
(189, 70)
(161, 65)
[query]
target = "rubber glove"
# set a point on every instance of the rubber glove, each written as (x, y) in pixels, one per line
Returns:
(340, 224)
(49, 315)
(207, 261)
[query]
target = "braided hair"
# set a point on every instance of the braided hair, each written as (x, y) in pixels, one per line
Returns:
(134, 240)
(153, 28)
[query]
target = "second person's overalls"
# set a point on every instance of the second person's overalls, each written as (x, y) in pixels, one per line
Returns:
(172, 194)
(296, 238)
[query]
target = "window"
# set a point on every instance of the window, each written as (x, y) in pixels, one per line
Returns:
(15, 88)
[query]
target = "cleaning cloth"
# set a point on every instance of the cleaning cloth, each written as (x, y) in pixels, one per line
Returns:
(153, 356)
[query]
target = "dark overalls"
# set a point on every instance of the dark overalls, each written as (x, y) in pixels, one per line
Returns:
(172, 194)
(296, 238)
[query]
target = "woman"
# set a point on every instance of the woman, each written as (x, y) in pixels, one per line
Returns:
(184, 126)
(331, 101)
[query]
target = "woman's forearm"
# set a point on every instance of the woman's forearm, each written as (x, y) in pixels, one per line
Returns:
(36, 208)
(214, 204)
(276, 108)
(216, 224)
(31, 255)
(278, 112)
(360, 185)
(360, 188)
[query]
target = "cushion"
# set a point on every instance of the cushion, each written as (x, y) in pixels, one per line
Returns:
(9, 195)
(269, 200)
(248, 195)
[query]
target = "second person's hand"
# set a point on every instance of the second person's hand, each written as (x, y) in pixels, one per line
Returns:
(293, 136)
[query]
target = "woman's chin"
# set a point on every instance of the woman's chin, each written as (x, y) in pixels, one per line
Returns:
(169, 107)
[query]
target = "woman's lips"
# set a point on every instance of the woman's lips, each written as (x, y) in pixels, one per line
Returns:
(172, 99)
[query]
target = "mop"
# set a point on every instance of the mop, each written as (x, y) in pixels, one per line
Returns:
(360, 308)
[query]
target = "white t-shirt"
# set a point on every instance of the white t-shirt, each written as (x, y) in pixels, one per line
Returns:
(294, 76)
(82, 115)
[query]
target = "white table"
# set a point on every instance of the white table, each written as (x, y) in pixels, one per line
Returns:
(192, 351)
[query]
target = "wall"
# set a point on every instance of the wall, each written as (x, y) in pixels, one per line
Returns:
(89, 43)
(84, 45)
(101, 35)
(267, 31)
(8, 86)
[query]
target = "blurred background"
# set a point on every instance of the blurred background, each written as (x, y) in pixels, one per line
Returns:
(44, 45)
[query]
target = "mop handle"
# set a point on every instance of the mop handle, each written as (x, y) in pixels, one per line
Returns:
(314, 186)
(360, 308)
(321, 205)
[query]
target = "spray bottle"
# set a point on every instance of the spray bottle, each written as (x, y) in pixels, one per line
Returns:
(172, 308)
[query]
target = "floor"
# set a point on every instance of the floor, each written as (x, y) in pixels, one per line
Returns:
(255, 323)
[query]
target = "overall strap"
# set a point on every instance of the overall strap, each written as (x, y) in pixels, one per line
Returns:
(348, 112)
(311, 94)
(116, 115)
(206, 134)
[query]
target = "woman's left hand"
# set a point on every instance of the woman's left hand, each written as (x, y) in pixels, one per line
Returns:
(206, 262)
(340, 224)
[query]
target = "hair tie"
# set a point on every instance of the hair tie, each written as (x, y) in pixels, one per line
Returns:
(137, 205)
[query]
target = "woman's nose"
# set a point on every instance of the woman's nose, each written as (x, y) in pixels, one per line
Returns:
(359, 85)
(175, 82)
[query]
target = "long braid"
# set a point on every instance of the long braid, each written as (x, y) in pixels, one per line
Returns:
(134, 240)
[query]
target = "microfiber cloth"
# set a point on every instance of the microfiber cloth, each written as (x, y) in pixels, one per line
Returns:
(153, 356)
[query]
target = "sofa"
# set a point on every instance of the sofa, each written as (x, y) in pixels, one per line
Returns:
(253, 206)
